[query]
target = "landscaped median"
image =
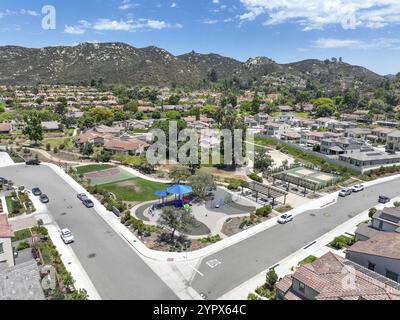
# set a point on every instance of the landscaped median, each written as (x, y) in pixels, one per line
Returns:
(18, 203)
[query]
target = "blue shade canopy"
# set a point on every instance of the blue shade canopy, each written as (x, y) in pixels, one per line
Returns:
(180, 190)
(162, 193)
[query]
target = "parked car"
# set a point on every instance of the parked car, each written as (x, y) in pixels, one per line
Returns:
(36, 192)
(285, 218)
(345, 192)
(32, 162)
(82, 196)
(67, 236)
(44, 198)
(88, 203)
(383, 199)
(357, 188)
(3, 180)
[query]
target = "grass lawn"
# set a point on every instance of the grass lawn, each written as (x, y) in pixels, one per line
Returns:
(9, 204)
(136, 189)
(307, 260)
(21, 235)
(135, 161)
(57, 142)
(93, 168)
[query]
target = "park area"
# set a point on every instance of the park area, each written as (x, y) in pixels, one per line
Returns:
(124, 185)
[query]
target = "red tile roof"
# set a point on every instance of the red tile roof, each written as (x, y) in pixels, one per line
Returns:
(5, 228)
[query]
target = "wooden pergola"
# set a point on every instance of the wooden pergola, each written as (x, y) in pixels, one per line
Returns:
(268, 191)
(297, 181)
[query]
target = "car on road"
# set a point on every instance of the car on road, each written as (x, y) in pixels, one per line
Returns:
(36, 192)
(383, 199)
(357, 188)
(44, 198)
(82, 196)
(88, 203)
(67, 236)
(345, 192)
(3, 180)
(32, 162)
(285, 218)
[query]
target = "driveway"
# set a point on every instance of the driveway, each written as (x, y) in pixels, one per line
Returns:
(115, 269)
(230, 267)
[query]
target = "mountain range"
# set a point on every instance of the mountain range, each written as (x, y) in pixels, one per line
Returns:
(120, 63)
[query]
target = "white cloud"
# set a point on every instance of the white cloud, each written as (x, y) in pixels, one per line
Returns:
(127, 4)
(316, 14)
(130, 25)
(210, 21)
(215, 1)
(173, 5)
(378, 43)
(28, 12)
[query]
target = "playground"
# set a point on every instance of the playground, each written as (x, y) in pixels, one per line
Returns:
(209, 216)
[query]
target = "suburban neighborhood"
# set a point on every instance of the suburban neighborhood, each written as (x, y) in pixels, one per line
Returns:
(212, 183)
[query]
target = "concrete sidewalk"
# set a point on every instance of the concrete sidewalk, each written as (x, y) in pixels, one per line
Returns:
(5, 159)
(317, 249)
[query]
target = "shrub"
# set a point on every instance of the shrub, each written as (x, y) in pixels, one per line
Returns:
(397, 204)
(255, 177)
(264, 211)
(48, 147)
(372, 211)
(55, 150)
(341, 242)
(234, 184)
(23, 245)
(211, 239)
(253, 296)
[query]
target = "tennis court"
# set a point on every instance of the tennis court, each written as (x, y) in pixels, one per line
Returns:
(321, 178)
(108, 176)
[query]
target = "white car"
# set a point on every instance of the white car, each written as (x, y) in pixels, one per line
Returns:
(357, 188)
(67, 236)
(285, 218)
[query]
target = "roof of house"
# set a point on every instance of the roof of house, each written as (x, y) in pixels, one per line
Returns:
(5, 127)
(383, 244)
(327, 277)
(383, 130)
(394, 134)
(131, 144)
(107, 129)
(370, 156)
(366, 230)
(21, 282)
(51, 125)
(5, 228)
(391, 214)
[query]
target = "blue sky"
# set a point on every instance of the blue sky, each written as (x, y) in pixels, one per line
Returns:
(363, 32)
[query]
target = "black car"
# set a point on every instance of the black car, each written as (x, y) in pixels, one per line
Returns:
(383, 199)
(44, 198)
(88, 203)
(32, 163)
(3, 180)
(36, 192)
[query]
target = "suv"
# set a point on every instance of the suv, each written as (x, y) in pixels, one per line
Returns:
(36, 192)
(383, 199)
(67, 236)
(44, 198)
(285, 218)
(88, 203)
(32, 162)
(357, 188)
(345, 192)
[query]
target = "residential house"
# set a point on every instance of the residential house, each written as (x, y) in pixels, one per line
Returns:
(340, 126)
(6, 249)
(364, 161)
(6, 128)
(380, 253)
(51, 125)
(324, 122)
(262, 118)
(382, 133)
(127, 145)
(336, 146)
(357, 133)
(315, 137)
(327, 279)
(250, 121)
(287, 117)
(393, 141)
(285, 108)
(387, 123)
(275, 129)
(291, 136)
(109, 130)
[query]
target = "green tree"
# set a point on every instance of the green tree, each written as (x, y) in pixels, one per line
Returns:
(201, 182)
(262, 160)
(271, 278)
(175, 220)
(173, 115)
(174, 100)
(33, 129)
(179, 173)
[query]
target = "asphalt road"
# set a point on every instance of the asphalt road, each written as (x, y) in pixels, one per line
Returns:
(239, 263)
(116, 271)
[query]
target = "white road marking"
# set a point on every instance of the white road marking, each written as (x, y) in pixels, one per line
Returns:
(213, 263)
(197, 271)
